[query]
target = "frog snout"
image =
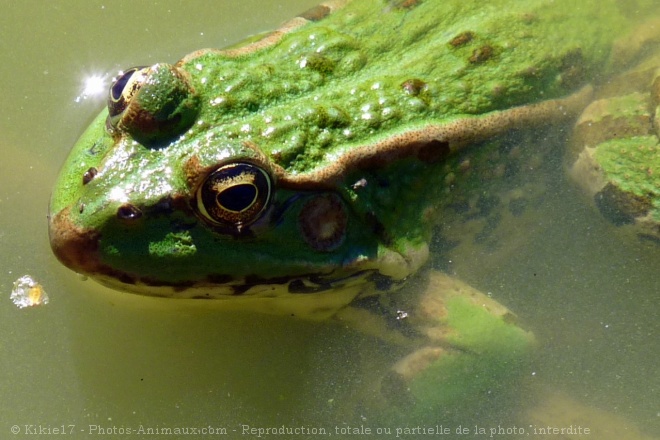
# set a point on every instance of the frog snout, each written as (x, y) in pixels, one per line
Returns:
(75, 247)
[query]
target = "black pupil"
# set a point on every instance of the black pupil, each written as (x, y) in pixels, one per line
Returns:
(238, 197)
(118, 86)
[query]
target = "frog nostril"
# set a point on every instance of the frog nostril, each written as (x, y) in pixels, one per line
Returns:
(89, 175)
(128, 212)
(164, 206)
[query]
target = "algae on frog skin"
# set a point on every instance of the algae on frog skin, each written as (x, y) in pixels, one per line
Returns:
(174, 245)
(516, 53)
(496, 353)
(633, 165)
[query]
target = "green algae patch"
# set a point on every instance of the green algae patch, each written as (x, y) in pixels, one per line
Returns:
(491, 355)
(175, 245)
(633, 165)
(339, 83)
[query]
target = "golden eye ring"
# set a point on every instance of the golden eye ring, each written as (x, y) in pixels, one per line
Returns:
(122, 91)
(234, 195)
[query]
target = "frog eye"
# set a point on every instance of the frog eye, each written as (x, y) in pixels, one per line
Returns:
(234, 195)
(153, 104)
(122, 91)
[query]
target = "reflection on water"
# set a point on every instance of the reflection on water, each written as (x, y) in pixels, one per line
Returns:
(101, 358)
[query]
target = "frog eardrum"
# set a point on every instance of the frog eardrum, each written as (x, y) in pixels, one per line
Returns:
(153, 104)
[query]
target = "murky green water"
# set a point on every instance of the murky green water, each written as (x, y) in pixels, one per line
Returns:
(100, 358)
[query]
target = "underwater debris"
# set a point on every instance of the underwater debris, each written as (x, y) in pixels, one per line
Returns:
(28, 293)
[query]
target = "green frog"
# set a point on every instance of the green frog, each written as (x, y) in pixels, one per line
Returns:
(302, 172)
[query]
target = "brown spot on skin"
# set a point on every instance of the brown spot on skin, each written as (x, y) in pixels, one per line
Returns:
(89, 175)
(405, 4)
(317, 13)
(413, 86)
(481, 54)
(323, 222)
(462, 39)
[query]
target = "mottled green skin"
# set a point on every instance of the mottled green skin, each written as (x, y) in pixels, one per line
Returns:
(633, 165)
(310, 99)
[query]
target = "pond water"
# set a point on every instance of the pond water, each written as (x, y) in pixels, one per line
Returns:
(96, 359)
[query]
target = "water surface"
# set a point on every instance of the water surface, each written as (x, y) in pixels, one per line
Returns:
(100, 358)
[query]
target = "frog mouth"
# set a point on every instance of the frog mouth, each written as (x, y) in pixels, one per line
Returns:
(251, 287)
(78, 249)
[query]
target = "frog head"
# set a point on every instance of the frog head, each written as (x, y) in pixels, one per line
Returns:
(157, 198)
